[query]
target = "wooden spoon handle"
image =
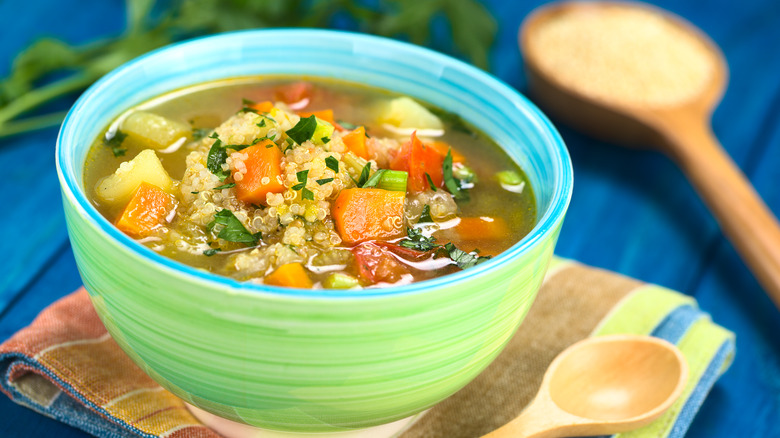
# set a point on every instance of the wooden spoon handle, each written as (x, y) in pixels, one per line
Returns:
(740, 211)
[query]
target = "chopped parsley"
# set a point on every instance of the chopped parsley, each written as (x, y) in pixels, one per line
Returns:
(210, 252)
(453, 184)
(324, 181)
(115, 143)
(332, 163)
(232, 228)
(417, 241)
(346, 125)
(430, 181)
(425, 216)
(374, 180)
(464, 259)
(224, 186)
(325, 140)
(216, 158)
(303, 130)
(261, 124)
(200, 133)
(363, 179)
(303, 177)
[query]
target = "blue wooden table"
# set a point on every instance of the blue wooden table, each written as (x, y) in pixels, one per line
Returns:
(632, 211)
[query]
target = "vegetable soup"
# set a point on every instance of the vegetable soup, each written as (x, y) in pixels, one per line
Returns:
(305, 184)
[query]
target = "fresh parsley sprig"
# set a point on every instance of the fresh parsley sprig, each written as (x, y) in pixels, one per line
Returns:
(303, 178)
(303, 130)
(471, 27)
(232, 229)
(417, 241)
(454, 185)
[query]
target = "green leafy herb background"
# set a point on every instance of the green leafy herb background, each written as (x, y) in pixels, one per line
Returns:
(151, 24)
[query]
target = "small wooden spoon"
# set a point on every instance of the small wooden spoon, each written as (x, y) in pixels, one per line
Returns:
(681, 130)
(602, 386)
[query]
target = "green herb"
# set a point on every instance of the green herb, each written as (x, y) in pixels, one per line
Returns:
(303, 177)
(115, 143)
(216, 158)
(332, 163)
(417, 241)
(303, 130)
(233, 230)
(425, 216)
(211, 252)
(261, 124)
(346, 125)
(194, 193)
(469, 23)
(324, 181)
(325, 140)
(372, 182)
(307, 194)
(463, 259)
(430, 182)
(224, 186)
(453, 184)
(363, 179)
(200, 133)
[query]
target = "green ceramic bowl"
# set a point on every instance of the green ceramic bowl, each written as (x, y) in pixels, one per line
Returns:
(312, 360)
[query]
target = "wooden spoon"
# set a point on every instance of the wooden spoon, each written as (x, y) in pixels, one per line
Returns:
(680, 128)
(602, 386)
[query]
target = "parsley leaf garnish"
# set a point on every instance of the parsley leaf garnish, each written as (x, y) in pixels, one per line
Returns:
(303, 177)
(233, 230)
(363, 179)
(210, 252)
(453, 184)
(374, 180)
(199, 133)
(303, 130)
(261, 124)
(332, 163)
(425, 216)
(224, 186)
(347, 125)
(216, 158)
(115, 143)
(430, 181)
(463, 259)
(307, 194)
(325, 140)
(324, 181)
(417, 241)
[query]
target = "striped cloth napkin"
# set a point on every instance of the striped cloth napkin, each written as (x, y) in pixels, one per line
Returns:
(66, 366)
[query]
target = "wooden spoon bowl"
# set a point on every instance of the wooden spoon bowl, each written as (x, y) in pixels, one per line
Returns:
(681, 129)
(602, 386)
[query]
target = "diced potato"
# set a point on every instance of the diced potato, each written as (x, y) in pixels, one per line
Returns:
(154, 131)
(404, 112)
(116, 189)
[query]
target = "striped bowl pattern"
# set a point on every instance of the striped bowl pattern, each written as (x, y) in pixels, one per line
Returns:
(312, 360)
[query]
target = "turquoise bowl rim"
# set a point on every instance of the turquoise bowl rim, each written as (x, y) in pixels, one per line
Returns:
(544, 229)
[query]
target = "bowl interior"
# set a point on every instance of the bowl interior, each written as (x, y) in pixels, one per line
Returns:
(496, 109)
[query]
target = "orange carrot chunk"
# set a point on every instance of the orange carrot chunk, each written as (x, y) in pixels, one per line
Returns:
(369, 214)
(289, 275)
(263, 173)
(442, 148)
(481, 228)
(419, 159)
(326, 115)
(356, 142)
(263, 107)
(146, 210)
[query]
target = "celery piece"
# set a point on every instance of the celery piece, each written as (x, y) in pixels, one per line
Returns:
(339, 280)
(394, 180)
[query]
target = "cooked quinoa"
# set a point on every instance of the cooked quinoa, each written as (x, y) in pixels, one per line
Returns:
(296, 216)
